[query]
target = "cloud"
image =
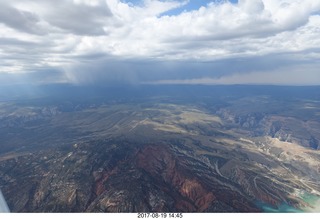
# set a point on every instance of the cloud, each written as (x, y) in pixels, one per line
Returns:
(79, 17)
(252, 6)
(19, 19)
(111, 40)
(281, 76)
(281, 69)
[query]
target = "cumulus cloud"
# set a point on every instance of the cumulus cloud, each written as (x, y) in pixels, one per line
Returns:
(113, 40)
(252, 6)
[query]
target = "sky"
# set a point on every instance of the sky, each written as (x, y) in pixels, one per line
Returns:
(160, 42)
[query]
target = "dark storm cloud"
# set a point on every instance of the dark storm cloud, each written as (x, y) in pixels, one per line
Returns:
(134, 71)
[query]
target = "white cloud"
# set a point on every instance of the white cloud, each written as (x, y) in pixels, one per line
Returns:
(65, 34)
(252, 6)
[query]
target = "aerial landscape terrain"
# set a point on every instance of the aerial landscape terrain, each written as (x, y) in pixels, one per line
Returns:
(146, 106)
(112, 150)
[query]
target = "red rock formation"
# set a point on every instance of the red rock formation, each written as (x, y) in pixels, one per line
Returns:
(100, 179)
(160, 162)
